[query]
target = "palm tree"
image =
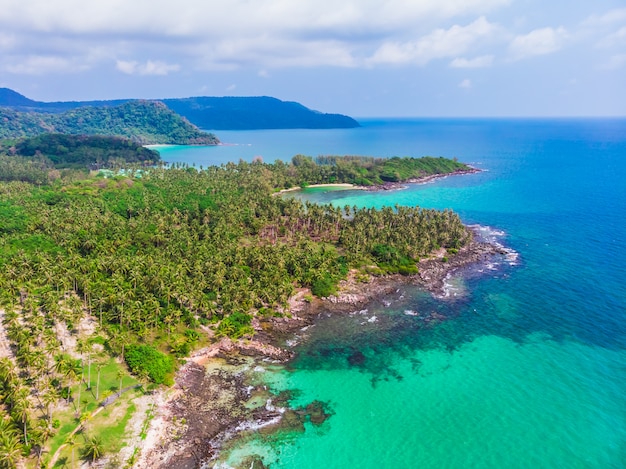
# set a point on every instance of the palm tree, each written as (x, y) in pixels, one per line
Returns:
(21, 408)
(120, 375)
(93, 448)
(48, 397)
(71, 442)
(99, 366)
(10, 448)
(43, 432)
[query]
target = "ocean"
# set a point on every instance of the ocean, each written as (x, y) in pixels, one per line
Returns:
(529, 367)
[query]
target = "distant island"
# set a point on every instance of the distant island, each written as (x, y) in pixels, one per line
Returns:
(145, 122)
(214, 113)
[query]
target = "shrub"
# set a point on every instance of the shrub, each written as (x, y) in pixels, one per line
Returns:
(323, 287)
(146, 359)
(407, 269)
(235, 326)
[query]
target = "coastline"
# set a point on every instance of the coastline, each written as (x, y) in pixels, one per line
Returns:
(386, 186)
(340, 184)
(213, 398)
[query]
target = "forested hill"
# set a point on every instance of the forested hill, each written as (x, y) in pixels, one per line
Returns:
(145, 122)
(215, 113)
(246, 113)
(84, 150)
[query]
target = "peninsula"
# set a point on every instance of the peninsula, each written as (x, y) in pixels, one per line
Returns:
(110, 282)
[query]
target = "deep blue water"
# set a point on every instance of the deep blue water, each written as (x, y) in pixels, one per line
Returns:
(530, 368)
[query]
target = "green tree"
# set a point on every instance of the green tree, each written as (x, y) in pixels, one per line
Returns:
(92, 448)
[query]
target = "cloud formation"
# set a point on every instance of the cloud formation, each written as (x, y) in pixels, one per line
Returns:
(537, 42)
(213, 35)
(320, 52)
(476, 62)
(441, 43)
(150, 67)
(41, 65)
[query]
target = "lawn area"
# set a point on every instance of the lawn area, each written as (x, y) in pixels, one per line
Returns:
(108, 424)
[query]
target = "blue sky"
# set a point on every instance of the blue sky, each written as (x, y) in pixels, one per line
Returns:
(358, 57)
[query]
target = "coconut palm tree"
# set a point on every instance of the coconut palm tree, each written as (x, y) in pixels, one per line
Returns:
(10, 448)
(120, 375)
(99, 366)
(20, 408)
(92, 448)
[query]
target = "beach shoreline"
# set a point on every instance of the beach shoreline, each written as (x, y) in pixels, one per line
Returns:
(387, 185)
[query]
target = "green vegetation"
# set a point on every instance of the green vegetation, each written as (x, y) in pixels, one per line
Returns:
(145, 360)
(144, 122)
(235, 113)
(94, 268)
(366, 171)
(78, 151)
(236, 325)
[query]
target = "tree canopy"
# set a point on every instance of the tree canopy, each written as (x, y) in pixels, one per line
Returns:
(145, 122)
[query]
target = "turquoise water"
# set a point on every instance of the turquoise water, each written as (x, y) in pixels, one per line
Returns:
(529, 368)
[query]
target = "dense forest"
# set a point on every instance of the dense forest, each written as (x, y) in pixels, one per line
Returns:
(40, 160)
(82, 151)
(145, 122)
(153, 261)
(216, 113)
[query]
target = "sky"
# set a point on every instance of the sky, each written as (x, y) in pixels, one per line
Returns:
(365, 58)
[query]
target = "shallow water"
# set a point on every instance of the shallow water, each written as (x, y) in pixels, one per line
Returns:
(528, 369)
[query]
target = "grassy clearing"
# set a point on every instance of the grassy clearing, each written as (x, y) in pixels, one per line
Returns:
(109, 423)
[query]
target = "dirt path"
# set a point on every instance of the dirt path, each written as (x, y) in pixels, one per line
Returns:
(109, 400)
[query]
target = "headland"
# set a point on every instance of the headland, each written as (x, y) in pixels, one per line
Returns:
(214, 398)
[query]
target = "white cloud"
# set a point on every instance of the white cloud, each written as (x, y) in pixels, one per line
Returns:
(40, 65)
(467, 83)
(610, 17)
(201, 18)
(538, 42)
(231, 87)
(150, 67)
(441, 43)
(476, 62)
(221, 35)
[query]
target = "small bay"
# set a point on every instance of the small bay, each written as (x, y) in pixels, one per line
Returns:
(528, 368)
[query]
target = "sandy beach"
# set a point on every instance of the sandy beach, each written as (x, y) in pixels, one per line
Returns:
(386, 186)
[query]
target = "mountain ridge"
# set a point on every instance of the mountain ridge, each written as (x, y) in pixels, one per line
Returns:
(206, 112)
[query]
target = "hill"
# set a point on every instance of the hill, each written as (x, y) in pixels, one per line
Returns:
(145, 122)
(247, 113)
(84, 150)
(38, 159)
(215, 113)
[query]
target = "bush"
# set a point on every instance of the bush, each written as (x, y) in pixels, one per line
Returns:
(146, 359)
(407, 270)
(323, 287)
(235, 326)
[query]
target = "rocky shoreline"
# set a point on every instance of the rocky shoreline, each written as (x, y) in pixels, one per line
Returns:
(214, 397)
(390, 186)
